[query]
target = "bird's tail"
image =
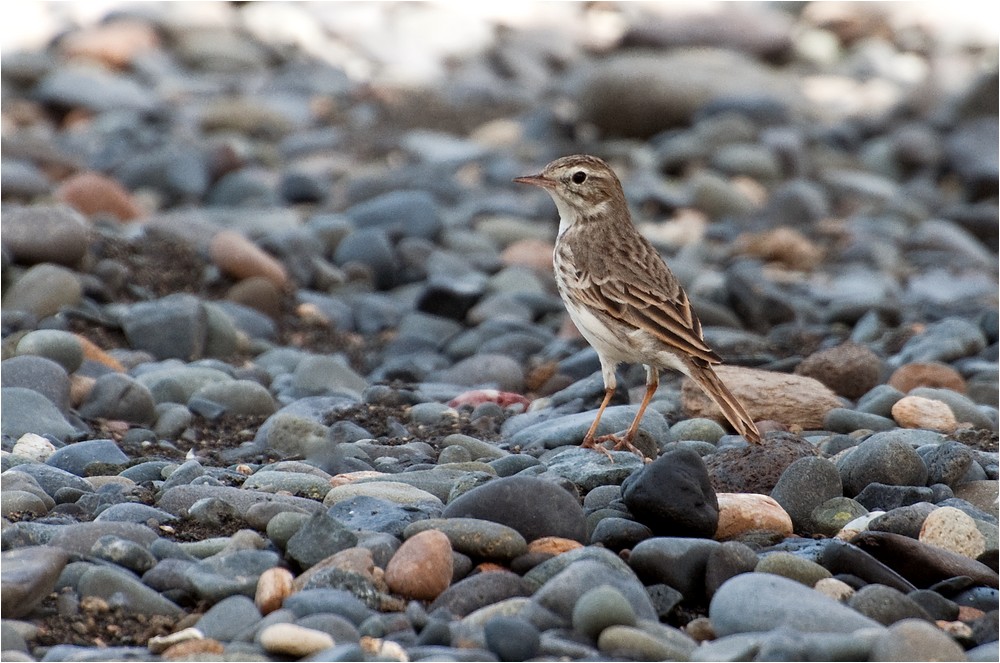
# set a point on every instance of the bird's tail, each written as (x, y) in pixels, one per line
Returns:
(734, 411)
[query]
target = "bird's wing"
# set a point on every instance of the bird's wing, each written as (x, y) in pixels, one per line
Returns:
(667, 318)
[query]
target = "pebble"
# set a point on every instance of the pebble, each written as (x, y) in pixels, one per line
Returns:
(30, 573)
(850, 370)
(61, 347)
(95, 194)
(512, 638)
(474, 537)
(917, 412)
(294, 641)
(951, 529)
(45, 234)
(803, 486)
(422, 568)
(675, 561)
(673, 496)
(933, 374)
(121, 589)
(754, 602)
(793, 567)
(882, 458)
(551, 510)
(43, 290)
(600, 608)
(912, 639)
(742, 513)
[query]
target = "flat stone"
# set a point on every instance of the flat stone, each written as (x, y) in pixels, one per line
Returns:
(29, 574)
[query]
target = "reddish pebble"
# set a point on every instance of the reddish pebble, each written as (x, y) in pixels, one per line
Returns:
(930, 374)
(240, 258)
(422, 567)
(478, 396)
(91, 193)
(115, 44)
(553, 545)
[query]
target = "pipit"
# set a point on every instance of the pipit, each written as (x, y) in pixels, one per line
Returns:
(622, 296)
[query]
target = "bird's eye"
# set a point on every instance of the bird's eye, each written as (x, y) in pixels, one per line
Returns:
(579, 177)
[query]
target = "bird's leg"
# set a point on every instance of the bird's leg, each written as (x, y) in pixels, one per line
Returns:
(652, 383)
(588, 440)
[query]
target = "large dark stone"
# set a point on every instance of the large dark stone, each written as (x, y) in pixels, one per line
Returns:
(673, 496)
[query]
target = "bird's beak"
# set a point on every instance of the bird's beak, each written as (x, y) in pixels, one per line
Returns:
(536, 180)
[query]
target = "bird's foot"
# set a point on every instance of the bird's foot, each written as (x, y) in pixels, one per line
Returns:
(620, 444)
(597, 445)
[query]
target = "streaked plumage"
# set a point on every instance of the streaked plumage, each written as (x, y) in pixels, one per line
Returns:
(621, 295)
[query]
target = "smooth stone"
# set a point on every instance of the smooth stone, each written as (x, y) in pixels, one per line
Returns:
(905, 520)
(981, 494)
(920, 563)
(832, 515)
(925, 413)
(44, 290)
(849, 369)
(175, 326)
(804, 485)
(673, 496)
(29, 574)
(478, 591)
(240, 397)
(33, 447)
(675, 561)
(664, 643)
(438, 481)
(550, 511)
(942, 341)
(754, 602)
(422, 567)
(119, 588)
(61, 347)
(881, 497)
(844, 420)
(952, 530)
(293, 640)
(512, 638)
(562, 592)
(27, 411)
(844, 558)
(228, 618)
(76, 458)
(588, 470)
(886, 605)
(704, 430)
(22, 503)
(915, 639)
(317, 539)
(475, 537)
(179, 499)
(879, 401)
(883, 458)
(134, 513)
(45, 234)
(49, 479)
(228, 574)
(742, 513)
(411, 213)
(948, 463)
(373, 514)
(391, 491)
(292, 483)
(80, 538)
(176, 384)
(599, 608)
(962, 407)
(124, 553)
(619, 533)
(729, 559)
(322, 375)
(40, 374)
(792, 567)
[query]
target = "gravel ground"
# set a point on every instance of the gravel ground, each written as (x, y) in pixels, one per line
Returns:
(285, 374)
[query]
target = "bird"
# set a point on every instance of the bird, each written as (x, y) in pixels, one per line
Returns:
(622, 297)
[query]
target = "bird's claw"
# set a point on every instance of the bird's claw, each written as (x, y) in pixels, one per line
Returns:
(620, 444)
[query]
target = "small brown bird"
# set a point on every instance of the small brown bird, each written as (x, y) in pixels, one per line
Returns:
(622, 296)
